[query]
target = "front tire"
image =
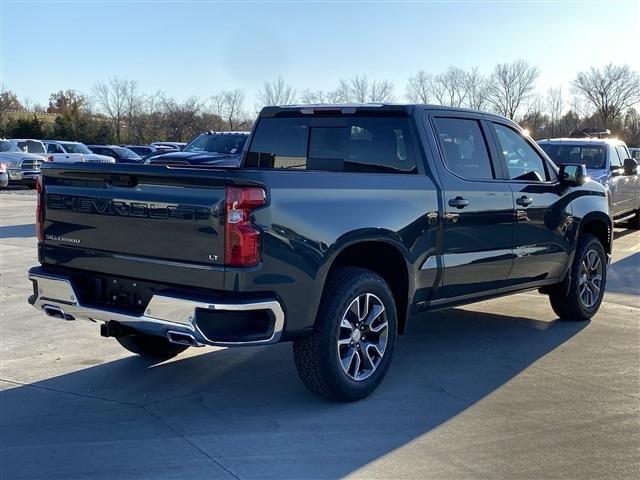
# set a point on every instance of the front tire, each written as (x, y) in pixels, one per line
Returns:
(350, 350)
(151, 346)
(587, 282)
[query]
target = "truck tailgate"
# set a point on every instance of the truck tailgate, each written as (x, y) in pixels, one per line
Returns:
(145, 222)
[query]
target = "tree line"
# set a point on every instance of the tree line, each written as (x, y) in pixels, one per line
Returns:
(117, 111)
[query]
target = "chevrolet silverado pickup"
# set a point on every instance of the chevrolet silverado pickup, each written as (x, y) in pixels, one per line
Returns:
(340, 226)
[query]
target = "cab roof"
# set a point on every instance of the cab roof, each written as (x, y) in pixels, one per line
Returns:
(582, 141)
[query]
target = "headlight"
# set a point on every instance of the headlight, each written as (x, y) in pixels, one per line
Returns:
(11, 163)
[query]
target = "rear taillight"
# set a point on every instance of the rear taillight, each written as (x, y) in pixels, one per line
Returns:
(241, 238)
(39, 209)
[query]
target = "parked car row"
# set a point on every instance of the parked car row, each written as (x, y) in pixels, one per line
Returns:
(221, 149)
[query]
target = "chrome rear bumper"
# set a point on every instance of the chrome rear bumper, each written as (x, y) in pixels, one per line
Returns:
(167, 316)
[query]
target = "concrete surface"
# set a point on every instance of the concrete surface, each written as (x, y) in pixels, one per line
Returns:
(499, 389)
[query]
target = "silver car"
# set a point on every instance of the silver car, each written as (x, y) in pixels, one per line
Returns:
(21, 168)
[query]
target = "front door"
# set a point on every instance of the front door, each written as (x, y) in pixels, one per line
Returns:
(541, 249)
(623, 186)
(478, 218)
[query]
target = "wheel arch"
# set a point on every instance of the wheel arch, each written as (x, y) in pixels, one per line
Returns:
(386, 258)
(600, 225)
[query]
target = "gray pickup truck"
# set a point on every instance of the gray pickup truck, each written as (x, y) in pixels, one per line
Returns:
(608, 162)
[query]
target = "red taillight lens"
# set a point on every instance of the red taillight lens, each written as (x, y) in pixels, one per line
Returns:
(39, 209)
(49, 158)
(241, 238)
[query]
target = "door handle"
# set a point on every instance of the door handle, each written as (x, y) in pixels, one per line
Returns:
(524, 201)
(458, 202)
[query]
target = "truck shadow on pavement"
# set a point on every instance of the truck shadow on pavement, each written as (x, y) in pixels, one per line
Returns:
(26, 230)
(622, 275)
(243, 413)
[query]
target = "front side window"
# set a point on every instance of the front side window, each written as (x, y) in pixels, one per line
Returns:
(622, 153)
(615, 158)
(464, 148)
(346, 144)
(523, 162)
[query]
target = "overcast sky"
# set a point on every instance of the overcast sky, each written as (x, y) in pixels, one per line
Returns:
(201, 47)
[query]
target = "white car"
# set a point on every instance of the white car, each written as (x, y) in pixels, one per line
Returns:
(62, 151)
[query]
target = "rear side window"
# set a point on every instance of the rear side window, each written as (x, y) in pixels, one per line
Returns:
(523, 162)
(464, 148)
(345, 144)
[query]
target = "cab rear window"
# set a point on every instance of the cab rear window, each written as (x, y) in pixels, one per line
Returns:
(345, 144)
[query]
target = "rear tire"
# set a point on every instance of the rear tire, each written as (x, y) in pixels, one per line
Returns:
(151, 346)
(350, 350)
(587, 282)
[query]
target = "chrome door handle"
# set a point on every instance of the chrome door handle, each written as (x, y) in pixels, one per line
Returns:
(524, 201)
(458, 202)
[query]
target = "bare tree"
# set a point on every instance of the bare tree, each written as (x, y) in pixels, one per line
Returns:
(311, 96)
(419, 88)
(477, 87)
(276, 93)
(450, 88)
(231, 102)
(555, 105)
(611, 90)
(113, 98)
(511, 85)
(359, 89)
(381, 91)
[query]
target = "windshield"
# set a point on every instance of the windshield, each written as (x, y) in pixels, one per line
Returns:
(76, 148)
(6, 146)
(592, 156)
(31, 147)
(231, 144)
(126, 153)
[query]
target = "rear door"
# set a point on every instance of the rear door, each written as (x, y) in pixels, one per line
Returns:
(540, 249)
(478, 208)
(134, 221)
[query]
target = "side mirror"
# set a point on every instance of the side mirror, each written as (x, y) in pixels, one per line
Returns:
(630, 166)
(573, 174)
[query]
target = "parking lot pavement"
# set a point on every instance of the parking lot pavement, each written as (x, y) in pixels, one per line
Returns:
(498, 389)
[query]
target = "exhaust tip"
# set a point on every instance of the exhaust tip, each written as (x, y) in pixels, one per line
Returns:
(181, 338)
(56, 312)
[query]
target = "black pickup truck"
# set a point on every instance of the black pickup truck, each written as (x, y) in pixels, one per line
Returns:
(340, 226)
